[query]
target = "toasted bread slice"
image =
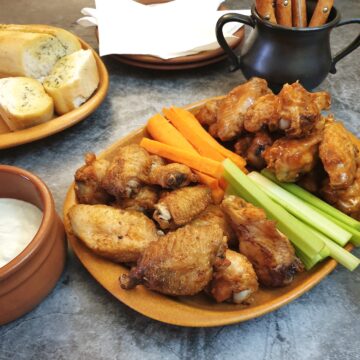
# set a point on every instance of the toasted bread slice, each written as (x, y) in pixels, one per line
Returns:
(72, 81)
(33, 53)
(24, 103)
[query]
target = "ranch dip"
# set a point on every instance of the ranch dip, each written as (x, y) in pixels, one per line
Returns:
(19, 223)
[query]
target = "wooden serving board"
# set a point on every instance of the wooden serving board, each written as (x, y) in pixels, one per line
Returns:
(193, 311)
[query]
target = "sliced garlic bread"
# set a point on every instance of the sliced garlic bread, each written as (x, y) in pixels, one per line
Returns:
(32, 54)
(72, 81)
(69, 41)
(24, 103)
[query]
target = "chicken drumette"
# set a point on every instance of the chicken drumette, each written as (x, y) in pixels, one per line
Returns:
(88, 178)
(181, 262)
(235, 283)
(291, 158)
(180, 206)
(269, 251)
(116, 234)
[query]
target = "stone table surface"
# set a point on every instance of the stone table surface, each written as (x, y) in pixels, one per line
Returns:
(79, 319)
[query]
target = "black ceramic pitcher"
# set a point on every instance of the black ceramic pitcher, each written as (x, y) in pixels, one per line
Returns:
(282, 54)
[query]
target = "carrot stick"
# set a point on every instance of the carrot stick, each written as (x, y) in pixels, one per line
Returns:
(190, 127)
(161, 130)
(194, 161)
(185, 126)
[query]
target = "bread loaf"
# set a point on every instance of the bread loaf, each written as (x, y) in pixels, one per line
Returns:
(24, 103)
(32, 51)
(72, 81)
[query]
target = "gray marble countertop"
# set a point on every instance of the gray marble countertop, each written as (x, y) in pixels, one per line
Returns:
(79, 319)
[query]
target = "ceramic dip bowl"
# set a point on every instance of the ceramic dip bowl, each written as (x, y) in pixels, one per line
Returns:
(31, 275)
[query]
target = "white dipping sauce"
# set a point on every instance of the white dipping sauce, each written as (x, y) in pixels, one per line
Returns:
(19, 223)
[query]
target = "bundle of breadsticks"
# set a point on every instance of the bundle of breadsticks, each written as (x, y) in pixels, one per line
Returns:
(293, 13)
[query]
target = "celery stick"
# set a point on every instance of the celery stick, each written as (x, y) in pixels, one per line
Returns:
(342, 256)
(310, 244)
(313, 200)
(355, 239)
(301, 209)
(308, 263)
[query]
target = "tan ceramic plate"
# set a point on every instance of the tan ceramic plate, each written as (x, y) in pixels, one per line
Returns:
(195, 311)
(10, 139)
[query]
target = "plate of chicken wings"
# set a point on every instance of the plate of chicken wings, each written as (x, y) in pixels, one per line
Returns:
(155, 236)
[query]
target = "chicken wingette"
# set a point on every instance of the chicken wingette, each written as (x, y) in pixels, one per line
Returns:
(143, 201)
(235, 283)
(88, 178)
(115, 234)
(179, 207)
(269, 251)
(127, 171)
(181, 262)
(338, 155)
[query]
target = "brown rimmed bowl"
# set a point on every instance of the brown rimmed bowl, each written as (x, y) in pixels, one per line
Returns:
(30, 276)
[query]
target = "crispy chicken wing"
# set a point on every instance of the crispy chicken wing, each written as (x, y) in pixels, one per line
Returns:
(171, 176)
(127, 171)
(180, 206)
(290, 158)
(346, 200)
(232, 109)
(338, 155)
(269, 251)
(207, 113)
(252, 147)
(235, 283)
(181, 262)
(213, 215)
(88, 179)
(264, 113)
(295, 111)
(143, 201)
(116, 234)
(300, 109)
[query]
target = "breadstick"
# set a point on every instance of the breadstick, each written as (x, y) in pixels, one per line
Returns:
(299, 13)
(283, 12)
(265, 8)
(321, 13)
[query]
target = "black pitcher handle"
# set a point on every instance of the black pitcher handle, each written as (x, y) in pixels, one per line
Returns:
(350, 48)
(247, 20)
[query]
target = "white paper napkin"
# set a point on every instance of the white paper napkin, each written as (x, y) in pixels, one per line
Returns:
(169, 30)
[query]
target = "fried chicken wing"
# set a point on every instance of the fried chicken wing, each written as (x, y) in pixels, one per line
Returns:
(207, 113)
(338, 155)
(269, 251)
(213, 215)
(235, 283)
(290, 158)
(127, 171)
(346, 200)
(88, 180)
(179, 207)
(115, 234)
(181, 262)
(294, 110)
(143, 201)
(232, 109)
(171, 176)
(264, 113)
(300, 110)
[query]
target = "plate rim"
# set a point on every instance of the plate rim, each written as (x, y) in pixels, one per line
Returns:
(208, 318)
(62, 122)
